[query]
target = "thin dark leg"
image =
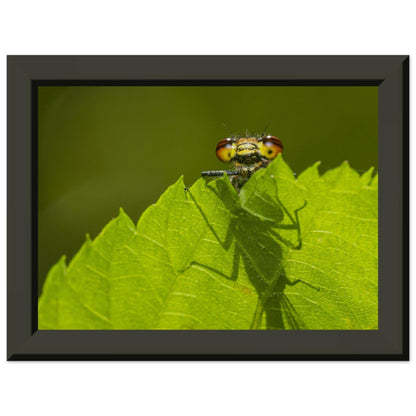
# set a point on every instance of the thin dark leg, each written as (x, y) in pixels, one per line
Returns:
(219, 173)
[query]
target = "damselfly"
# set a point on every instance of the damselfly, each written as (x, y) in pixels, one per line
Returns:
(249, 154)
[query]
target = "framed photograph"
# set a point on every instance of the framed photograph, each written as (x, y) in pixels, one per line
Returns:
(208, 208)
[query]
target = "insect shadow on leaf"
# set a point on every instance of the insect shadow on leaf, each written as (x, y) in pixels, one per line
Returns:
(258, 244)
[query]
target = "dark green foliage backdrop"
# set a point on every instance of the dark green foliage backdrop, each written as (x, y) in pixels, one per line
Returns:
(101, 148)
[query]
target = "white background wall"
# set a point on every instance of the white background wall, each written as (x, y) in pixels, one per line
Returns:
(191, 27)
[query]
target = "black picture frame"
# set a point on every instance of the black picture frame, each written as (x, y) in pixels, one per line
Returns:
(389, 342)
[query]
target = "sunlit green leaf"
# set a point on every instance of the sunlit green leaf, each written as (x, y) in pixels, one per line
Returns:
(286, 253)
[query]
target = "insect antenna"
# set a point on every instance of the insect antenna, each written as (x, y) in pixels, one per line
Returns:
(229, 131)
(264, 130)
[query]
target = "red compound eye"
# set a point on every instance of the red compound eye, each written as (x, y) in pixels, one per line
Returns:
(272, 146)
(225, 150)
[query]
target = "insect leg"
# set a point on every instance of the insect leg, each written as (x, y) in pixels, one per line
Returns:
(226, 244)
(295, 223)
(213, 173)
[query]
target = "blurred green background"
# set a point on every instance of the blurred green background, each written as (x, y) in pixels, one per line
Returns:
(101, 148)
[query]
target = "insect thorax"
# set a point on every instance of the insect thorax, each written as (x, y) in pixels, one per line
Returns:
(245, 171)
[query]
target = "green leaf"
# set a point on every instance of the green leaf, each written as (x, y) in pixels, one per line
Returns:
(284, 254)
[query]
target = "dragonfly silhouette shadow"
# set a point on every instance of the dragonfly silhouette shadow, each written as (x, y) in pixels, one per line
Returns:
(258, 244)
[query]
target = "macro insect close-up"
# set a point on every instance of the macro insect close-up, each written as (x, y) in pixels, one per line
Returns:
(249, 154)
(254, 246)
